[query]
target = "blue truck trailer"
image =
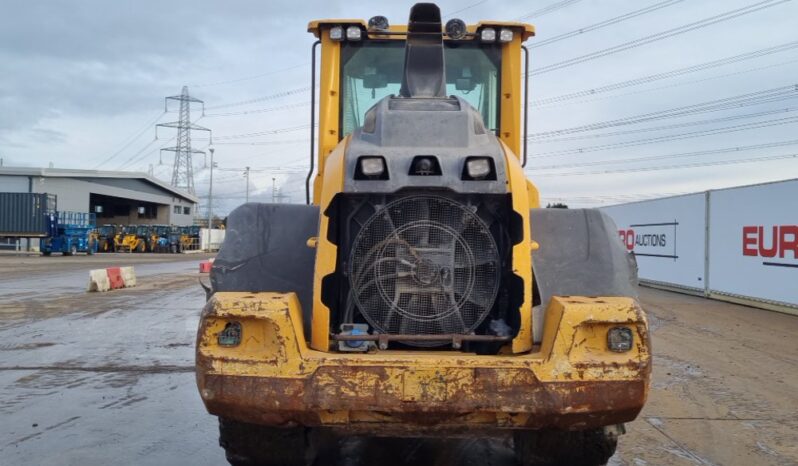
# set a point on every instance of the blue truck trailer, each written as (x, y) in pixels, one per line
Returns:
(70, 233)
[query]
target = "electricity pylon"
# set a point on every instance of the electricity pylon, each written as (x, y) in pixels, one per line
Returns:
(183, 171)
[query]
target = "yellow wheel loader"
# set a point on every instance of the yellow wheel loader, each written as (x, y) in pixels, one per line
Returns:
(422, 291)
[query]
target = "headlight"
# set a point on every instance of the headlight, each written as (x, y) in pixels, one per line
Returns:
(455, 28)
(372, 167)
(487, 35)
(620, 339)
(353, 33)
(336, 33)
(231, 335)
(478, 168)
(505, 35)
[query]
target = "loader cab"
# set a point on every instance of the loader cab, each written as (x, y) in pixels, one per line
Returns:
(361, 62)
(437, 111)
(372, 70)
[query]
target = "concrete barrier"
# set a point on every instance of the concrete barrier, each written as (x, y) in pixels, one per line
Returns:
(112, 278)
(115, 277)
(98, 280)
(128, 276)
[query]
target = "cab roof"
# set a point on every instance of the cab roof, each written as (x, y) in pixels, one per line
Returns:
(527, 30)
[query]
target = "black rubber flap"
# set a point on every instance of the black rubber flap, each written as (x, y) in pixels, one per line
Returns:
(265, 249)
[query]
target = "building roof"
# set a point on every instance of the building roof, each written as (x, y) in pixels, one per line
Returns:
(74, 173)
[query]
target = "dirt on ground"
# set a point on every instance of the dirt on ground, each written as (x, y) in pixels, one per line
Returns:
(107, 378)
(724, 388)
(14, 265)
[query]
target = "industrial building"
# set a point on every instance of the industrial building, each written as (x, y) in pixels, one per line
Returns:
(116, 197)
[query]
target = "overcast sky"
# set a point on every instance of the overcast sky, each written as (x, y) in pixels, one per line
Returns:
(82, 84)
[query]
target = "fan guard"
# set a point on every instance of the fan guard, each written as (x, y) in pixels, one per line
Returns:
(424, 265)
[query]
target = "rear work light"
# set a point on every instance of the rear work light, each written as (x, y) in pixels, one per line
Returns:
(231, 335)
(487, 35)
(337, 33)
(505, 35)
(353, 33)
(620, 339)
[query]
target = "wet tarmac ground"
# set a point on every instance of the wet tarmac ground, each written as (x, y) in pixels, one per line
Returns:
(107, 378)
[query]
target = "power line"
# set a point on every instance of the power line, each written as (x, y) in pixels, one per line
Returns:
(140, 155)
(449, 15)
(736, 101)
(768, 158)
(668, 74)
(264, 143)
(659, 36)
(263, 133)
(612, 197)
(547, 9)
(674, 137)
(248, 78)
(605, 23)
(725, 150)
(128, 161)
(261, 99)
(670, 86)
(259, 110)
(131, 140)
(671, 126)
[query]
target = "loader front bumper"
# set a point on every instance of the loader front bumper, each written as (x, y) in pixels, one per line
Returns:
(571, 382)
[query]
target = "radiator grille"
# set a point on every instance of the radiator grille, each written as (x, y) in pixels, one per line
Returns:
(424, 265)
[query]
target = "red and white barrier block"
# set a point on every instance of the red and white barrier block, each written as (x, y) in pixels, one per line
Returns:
(111, 278)
(205, 266)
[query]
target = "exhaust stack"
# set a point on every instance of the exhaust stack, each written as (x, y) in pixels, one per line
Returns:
(425, 72)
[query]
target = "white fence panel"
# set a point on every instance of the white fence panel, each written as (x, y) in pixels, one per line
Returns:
(212, 242)
(754, 242)
(667, 236)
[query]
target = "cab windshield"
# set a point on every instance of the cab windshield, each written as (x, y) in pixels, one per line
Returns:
(372, 69)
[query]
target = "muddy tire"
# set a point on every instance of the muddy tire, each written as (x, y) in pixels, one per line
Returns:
(251, 445)
(579, 448)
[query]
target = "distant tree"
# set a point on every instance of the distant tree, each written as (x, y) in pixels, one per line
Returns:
(556, 205)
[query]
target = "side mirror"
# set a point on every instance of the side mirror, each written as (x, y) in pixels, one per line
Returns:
(375, 81)
(465, 84)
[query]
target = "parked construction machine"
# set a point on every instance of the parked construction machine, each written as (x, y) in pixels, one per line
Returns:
(132, 238)
(189, 238)
(159, 238)
(422, 291)
(105, 235)
(69, 233)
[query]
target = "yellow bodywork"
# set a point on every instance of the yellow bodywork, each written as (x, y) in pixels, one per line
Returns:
(571, 381)
(128, 242)
(276, 376)
(330, 176)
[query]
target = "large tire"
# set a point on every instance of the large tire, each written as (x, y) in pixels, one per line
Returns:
(551, 448)
(250, 445)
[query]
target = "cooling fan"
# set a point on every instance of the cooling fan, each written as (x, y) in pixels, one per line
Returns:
(424, 265)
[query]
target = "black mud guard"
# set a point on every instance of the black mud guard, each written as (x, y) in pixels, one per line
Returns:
(265, 249)
(580, 255)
